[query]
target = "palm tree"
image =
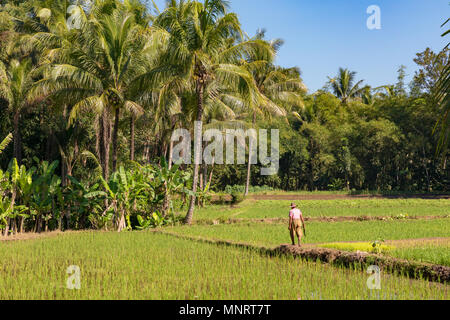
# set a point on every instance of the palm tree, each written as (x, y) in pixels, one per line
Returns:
(344, 86)
(442, 96)
(95, 72)
(15, 83)
(280, 88)
(202, 48)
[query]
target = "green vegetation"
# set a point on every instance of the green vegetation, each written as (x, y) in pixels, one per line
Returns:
(322, 232)
(150, 266)
(110, 86)
(437, 254)
(91, 93)
(429, 253)
(363, 247)
(261, 209)
(34, 200)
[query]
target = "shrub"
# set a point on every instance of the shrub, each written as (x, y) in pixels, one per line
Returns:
(251, 189)
(237, 197)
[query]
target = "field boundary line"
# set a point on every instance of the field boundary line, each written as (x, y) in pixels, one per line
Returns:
(412, 269)
(316, 219)
(424, 241)
(299, 197)
(348, 197)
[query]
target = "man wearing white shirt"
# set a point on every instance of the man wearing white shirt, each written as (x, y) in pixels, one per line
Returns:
(296, 224)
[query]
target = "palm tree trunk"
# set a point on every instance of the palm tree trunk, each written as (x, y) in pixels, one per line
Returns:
(14, 226)
(205, 175)
(201, 174)
(249, 166)
(132, 133)
(146, 155)
(22, 220)
(198, 154)
(212, 171)
(115, 136)
(105, 143)
(170, 154)
(122, 224)
(205, 182)
(6, 231)
(16, 144)
(249, 169)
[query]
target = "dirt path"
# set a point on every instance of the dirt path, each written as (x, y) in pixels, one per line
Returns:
(35, 236)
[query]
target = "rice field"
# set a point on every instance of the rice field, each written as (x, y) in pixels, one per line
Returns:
(145, 265)
(268, 209)
(424, 253)
(153, 266)
(428, 252)
(271, 235)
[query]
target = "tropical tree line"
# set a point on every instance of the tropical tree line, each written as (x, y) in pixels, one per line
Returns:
(352, 137)
(91, 92)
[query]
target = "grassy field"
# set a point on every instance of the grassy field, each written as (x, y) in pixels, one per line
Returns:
(424, 253)
(427, 251)
(322, 232)
(147, 265)
(144, 265)
(275, 234)
(263, 209)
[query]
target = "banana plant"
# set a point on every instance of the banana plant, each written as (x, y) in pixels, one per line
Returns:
(5, 200)
(14, 174)
(172, 181)
(24, 192)
(86, 202)
(123, 189)
(156, 220)
(204, 195)
(5, 142)
(5, 213)
(46, 193)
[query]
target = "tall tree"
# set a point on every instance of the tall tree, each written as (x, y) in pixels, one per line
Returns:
(344, 86)
(199, 50)
(95, 71)
(431, 67)
(281, 90)
(441, 94)
(15, 82)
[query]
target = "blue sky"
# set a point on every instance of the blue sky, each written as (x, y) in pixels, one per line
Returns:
(321, 36)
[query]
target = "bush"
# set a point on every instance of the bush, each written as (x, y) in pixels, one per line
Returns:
(251, 189)
(237, 197)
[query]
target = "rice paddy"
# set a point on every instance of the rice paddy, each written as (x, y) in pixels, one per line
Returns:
(145, 265)
(274, 234)
(153, 266)
(267, 209)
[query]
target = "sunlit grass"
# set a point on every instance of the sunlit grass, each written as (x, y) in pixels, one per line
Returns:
(142, 265)
(267, 234)
(260, 209)
(359, 246)
(425, 253)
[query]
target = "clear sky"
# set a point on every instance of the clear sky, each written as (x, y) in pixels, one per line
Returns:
(322, 35)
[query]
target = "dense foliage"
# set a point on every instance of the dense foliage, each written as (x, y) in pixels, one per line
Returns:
(92, 90)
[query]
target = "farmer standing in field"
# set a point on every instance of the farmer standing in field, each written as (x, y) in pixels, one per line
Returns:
(296, 224)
